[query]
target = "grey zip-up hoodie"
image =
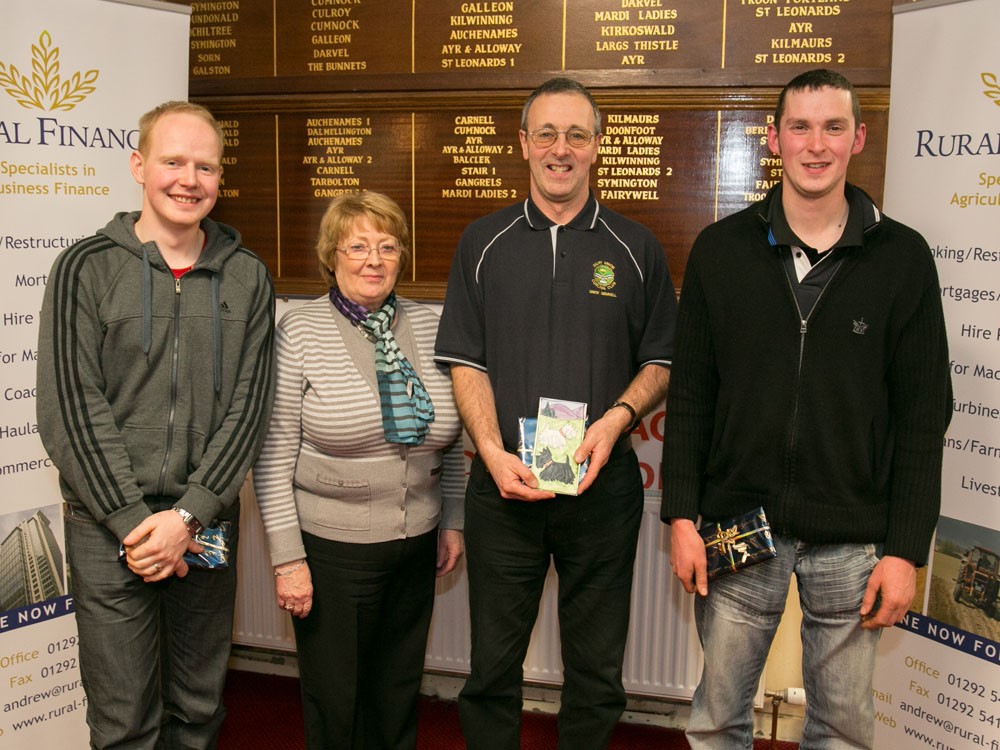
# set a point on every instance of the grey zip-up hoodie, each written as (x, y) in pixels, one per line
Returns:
(149, 387)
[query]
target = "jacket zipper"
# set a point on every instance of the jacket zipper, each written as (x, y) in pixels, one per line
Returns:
(174, 362)
(803, 330)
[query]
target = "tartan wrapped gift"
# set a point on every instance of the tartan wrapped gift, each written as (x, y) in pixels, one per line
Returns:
(737, 543)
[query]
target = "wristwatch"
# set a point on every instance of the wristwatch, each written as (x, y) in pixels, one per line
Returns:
(631, 410)
(194, 526)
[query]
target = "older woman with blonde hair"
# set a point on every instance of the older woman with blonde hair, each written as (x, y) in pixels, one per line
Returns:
(360, 483)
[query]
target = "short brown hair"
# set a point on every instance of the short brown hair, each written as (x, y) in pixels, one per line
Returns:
(338, 221)
(813, 80)
(148, 120)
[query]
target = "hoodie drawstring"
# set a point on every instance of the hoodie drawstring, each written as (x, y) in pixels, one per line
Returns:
(147, 303)
(217, 333)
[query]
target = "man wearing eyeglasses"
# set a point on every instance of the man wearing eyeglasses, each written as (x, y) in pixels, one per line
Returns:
(556, 297)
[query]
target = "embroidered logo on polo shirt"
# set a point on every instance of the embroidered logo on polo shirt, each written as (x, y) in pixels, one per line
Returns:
(604, 276)
(860, 327)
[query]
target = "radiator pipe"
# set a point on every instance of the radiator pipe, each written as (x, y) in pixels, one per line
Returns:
(791, 696)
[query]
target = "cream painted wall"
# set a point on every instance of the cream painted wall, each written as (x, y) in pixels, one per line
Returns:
(784, 663)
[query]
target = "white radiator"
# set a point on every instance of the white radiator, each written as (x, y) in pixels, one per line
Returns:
(662, 658)
(258, 621)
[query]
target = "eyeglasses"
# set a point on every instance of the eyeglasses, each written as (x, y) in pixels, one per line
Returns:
(361, 251)
(575, 137)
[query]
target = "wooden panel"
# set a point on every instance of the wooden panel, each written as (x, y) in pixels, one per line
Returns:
(495, 37)
(467, 163)
(643, 34)
(671, 167)
(307, 46)
(323, 154)
(791, 36)
(421, 99)
(248, 198)
(336, 39)
(653, 170)
(231, 39)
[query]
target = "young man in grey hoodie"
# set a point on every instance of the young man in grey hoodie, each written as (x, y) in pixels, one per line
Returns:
(155, 381)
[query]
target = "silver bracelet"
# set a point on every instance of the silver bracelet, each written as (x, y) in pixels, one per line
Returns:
(289, 571)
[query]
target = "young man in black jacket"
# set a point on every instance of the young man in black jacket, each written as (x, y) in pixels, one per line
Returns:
(811, 378)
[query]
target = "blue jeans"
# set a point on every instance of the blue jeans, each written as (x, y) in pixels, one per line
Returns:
(153, 656)
(736, 624)
(509, 544)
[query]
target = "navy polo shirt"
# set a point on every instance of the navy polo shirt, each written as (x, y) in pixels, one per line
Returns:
(568, 312)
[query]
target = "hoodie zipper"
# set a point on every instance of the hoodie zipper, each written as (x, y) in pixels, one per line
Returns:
(174, 365)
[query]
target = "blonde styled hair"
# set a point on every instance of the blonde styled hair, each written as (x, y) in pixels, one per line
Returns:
(339, 219)
(149, 120)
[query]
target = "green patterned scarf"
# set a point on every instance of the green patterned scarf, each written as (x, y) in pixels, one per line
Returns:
(407, 411)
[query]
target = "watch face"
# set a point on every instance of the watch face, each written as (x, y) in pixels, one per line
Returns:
(192, 523)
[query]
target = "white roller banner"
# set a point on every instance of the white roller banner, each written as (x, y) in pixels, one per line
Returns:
(74, 77)
(938, 680)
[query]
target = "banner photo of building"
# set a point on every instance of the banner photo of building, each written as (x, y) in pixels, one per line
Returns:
(75, 75)
(938, 680)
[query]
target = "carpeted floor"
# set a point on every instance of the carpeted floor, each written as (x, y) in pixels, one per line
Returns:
(265, 713)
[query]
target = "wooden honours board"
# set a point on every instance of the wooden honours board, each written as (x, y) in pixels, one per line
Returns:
(421, 99)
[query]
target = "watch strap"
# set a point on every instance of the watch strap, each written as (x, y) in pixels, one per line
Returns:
(630, 409)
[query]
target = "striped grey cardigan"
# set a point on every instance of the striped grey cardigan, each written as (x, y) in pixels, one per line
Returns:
(325, 467)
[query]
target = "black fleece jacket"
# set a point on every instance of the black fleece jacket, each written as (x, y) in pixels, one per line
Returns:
(833, 422)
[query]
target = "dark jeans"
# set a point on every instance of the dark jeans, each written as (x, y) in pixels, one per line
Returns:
(592, 540)
(361, 649)
(153, 656)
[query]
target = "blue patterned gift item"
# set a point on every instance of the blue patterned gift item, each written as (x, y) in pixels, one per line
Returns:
(215, 541)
